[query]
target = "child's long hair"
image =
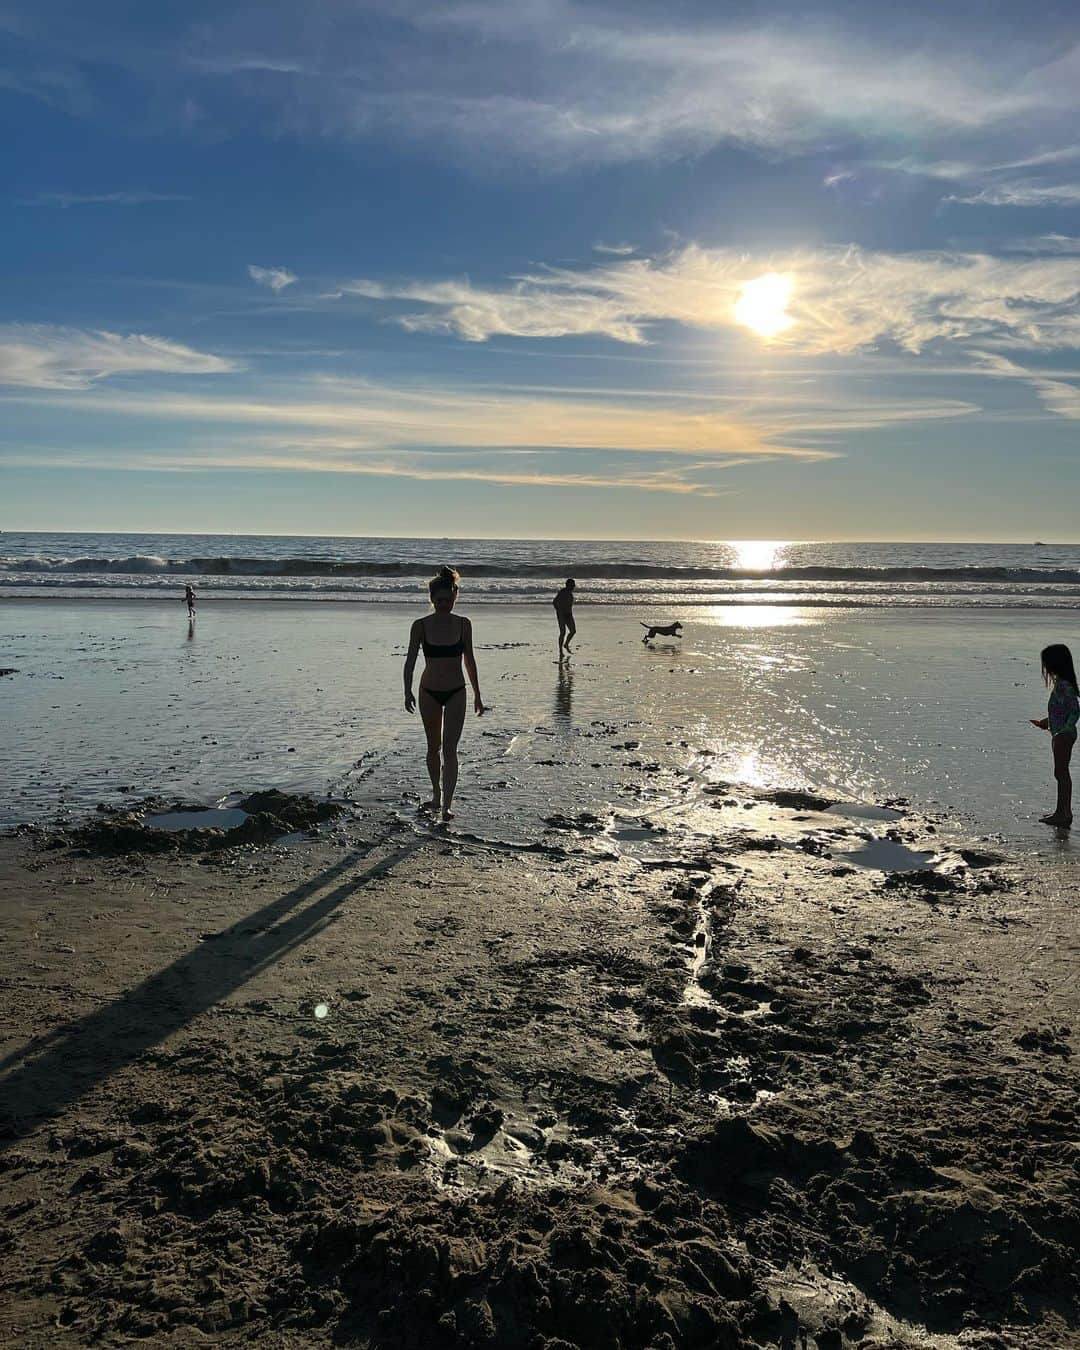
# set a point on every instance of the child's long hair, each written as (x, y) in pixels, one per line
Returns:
(1057, 663)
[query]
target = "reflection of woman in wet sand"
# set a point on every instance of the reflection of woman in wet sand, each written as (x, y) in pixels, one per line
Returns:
(1060, 721)
(447, 641)
(564, 691)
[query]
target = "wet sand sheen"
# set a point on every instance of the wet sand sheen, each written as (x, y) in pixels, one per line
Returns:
(931, 708)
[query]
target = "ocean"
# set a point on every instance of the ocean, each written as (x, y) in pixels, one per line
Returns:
(659, 574)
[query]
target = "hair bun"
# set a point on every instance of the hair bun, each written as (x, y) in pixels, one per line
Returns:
(445, 579)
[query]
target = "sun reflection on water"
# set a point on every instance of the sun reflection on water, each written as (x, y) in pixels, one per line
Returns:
(757, 555)
(748, 769)
(760, 616)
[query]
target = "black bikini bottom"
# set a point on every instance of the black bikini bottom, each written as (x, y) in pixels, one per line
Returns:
(442, 696)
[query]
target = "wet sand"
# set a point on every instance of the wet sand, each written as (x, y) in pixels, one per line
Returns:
(307, 697)
(390, 1087)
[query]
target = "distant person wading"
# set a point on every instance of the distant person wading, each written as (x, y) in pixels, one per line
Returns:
(447, 641)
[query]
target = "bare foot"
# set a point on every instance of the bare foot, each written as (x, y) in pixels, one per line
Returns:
(447, 816)
(1055, 819)
(430, 808)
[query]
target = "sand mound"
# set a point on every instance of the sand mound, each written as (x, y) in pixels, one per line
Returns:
(269, 816)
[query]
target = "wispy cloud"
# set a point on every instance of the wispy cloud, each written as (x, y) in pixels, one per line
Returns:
(68, 199)
(384, 416)
(1043, 244)
(657, 440)
(54, 86)
(1021, 194)
(41, 356)
(561, 83)
(618, 250)
(1058, 395)
(841, 300)
(274, 278)
(529, 308)
(293, 459)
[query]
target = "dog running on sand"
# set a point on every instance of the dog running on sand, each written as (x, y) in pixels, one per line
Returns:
(670, 630)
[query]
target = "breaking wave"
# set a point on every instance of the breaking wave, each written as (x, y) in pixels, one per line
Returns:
(513, 568)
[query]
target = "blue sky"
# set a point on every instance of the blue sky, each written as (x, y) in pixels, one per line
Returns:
(496, 268)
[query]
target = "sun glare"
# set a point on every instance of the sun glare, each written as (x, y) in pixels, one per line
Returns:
(756, 555)
(762, 304)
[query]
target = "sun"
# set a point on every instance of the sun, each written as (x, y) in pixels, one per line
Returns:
(762, 304)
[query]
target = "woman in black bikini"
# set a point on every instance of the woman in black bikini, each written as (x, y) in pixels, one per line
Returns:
(446, 640)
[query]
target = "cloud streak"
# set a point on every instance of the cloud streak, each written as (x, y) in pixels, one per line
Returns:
(42, 356)
(843, 300)
(64, 200)
(292, 459)
(1021, 194)
(273, 278)
(1056, 394)
(374, 417)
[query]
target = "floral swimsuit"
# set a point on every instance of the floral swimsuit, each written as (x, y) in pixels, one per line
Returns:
(1063, 709)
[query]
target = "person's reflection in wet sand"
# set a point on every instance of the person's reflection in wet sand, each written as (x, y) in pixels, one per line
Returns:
(564, 691)
(191, 630)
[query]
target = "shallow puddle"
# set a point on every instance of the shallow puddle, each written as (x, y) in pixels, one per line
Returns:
(863, 811)
(886, 855)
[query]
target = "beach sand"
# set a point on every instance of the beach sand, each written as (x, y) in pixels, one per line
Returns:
(390, 1087)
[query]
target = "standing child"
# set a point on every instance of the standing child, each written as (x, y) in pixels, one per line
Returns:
(1060, 721)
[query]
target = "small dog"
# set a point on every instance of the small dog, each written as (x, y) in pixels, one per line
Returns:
(671, 630)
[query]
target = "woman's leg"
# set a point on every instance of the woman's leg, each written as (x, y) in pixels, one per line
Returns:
(1063, 748)
(453, 721)
(431, 713)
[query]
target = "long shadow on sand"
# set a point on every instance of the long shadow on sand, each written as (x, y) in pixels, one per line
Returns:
(53, 1071)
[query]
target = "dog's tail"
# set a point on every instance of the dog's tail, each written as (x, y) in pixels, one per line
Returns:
(645, 625)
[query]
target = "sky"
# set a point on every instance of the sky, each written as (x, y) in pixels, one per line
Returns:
(533, 268)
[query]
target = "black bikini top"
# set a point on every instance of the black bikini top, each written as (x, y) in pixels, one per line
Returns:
(443, 648)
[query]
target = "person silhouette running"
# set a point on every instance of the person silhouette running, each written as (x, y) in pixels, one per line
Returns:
(564, 612)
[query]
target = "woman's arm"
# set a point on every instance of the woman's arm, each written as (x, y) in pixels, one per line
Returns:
(415, 634)
(470, 666)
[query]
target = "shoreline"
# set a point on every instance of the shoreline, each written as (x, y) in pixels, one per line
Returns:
(757, 601)
(557, 1097)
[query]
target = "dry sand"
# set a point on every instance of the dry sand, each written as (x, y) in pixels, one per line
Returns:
(747, 1096)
